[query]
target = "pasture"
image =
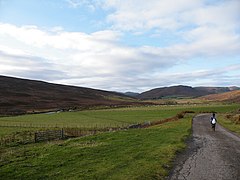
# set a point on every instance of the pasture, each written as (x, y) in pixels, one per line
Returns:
(128, 154)
(133, 154)
(119, 117)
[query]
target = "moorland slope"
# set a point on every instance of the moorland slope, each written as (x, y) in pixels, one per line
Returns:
(19, 96)
(232, 96)
(183, 91)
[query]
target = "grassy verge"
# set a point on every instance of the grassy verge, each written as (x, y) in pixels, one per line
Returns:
(133, 154)
(230, 123)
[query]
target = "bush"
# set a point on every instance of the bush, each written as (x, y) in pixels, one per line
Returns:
(180, 115)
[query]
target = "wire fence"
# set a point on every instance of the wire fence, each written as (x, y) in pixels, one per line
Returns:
(79, 126)
(26, 137)
(56, 133)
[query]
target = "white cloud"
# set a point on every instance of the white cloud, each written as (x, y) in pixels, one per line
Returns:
(139, 14)
(28, 66)
(74, 3)
(101, 59)
(95, 58)
(205, 77)
(90, 4)
(162, 14)
(31, 35)
(206, 26)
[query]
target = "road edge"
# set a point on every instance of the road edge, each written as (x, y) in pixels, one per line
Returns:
(182, 156)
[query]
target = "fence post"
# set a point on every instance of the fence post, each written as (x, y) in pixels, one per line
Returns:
(62, 133)
(35, 137)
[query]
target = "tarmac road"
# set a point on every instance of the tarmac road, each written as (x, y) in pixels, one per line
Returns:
(210, 155)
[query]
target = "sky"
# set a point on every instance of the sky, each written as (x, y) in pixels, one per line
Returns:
(122, 45)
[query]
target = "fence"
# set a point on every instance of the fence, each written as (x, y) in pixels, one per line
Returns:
(26, 137)
(48, 135)
(59, 126)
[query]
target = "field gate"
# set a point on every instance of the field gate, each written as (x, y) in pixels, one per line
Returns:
(49, 135)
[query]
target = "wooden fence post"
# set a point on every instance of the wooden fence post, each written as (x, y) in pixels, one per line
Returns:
(62, 133)
(35, 137)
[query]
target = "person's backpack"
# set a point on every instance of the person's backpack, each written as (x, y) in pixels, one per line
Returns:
(213, 121)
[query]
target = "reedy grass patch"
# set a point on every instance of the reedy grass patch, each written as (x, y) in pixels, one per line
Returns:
(229, 123)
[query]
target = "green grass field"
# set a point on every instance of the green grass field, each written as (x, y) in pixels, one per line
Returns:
(108, 117)
(10, 130)
(131, 154)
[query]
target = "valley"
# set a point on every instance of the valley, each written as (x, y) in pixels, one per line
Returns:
(118, 149)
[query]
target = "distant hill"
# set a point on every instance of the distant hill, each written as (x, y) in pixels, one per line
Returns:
(131, 94)
(183, 91)
(217, 90)
(173, 91)
(18, 96)
(232, 96)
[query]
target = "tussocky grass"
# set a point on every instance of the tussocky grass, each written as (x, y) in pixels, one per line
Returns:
(229, 124)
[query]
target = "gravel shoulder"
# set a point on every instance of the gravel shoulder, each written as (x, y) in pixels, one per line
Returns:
(209, 155)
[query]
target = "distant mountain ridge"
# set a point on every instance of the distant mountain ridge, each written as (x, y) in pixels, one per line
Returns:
(18, 96)
(183, 91)
(131, 94)
(217, 90)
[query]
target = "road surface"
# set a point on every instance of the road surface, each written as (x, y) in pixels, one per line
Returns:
(210, 155)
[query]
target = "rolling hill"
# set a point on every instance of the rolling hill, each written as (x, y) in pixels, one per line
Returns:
(18, 96)
(173, 91)
(217, 90)
(183, 91)
(232, 96)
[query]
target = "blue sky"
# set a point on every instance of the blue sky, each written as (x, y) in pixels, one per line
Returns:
(119, 45)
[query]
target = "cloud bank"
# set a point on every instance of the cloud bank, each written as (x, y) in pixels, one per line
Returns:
(102, 60)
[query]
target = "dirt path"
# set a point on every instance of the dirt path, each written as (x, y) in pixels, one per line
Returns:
(210, 155)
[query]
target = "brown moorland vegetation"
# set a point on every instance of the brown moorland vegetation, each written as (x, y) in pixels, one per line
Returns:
(232, 96)
(18, 96)
(183, 92)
